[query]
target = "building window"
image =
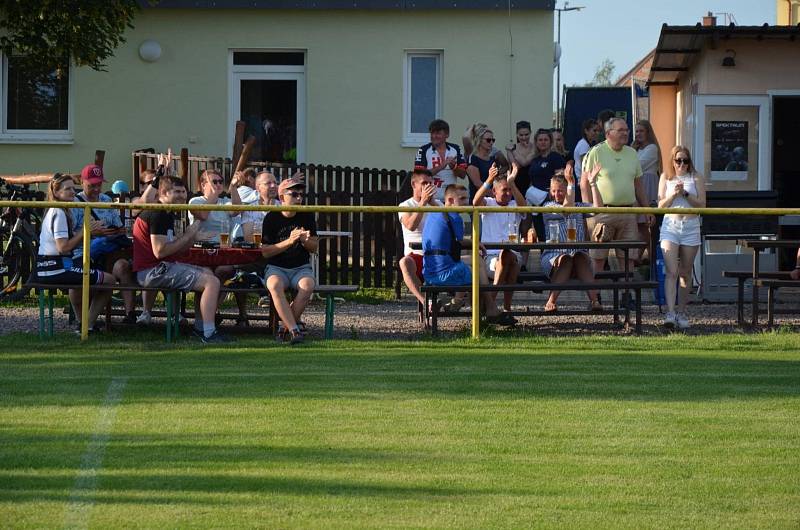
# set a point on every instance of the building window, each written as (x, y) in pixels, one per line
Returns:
(35, 103)
(422, 95)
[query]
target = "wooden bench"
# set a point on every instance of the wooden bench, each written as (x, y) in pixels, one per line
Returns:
(45, 295)
(741, 277)
(432, 313)
(172, 303)
(772, 285)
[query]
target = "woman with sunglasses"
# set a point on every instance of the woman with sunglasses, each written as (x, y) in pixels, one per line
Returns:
(680, 186)
(484, 155)
(218, 222)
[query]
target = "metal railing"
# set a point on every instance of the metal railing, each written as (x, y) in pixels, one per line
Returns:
(474, 212)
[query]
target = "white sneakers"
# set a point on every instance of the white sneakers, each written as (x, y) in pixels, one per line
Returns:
(671, 320)
(144, 318)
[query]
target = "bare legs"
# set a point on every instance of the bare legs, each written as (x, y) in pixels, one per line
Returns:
(678, 261)
(98, 302)
(578, 266)
(290, 313)
(409, 269)
(506, 271)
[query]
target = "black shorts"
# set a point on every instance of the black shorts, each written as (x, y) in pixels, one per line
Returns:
(59, 269)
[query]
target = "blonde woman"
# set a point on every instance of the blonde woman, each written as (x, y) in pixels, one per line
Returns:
(680, 186)
(58, 238)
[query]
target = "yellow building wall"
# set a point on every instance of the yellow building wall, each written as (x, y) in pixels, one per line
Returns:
(354, 79)
(788, 12)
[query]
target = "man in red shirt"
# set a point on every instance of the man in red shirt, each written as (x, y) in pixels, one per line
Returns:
(155, 248)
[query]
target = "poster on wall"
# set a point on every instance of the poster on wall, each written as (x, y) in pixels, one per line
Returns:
(729, 156)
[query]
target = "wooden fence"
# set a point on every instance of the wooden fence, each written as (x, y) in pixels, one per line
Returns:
(368, 258)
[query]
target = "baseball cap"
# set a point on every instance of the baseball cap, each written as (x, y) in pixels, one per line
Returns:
(287, 184)
(92, 174)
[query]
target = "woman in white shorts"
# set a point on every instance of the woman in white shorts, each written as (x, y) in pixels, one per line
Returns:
(680, 186)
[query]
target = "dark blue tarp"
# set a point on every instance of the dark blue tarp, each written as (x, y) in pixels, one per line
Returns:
(582, 103)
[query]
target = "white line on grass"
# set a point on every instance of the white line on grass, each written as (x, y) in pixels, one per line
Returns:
(81, 499)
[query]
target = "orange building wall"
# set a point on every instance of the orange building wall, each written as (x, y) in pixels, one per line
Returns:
(663, 118)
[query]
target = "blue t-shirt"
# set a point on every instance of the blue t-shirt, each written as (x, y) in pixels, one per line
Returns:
(543, 167)
(436, 236)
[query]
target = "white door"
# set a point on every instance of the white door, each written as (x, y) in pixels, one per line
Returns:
(273, 106)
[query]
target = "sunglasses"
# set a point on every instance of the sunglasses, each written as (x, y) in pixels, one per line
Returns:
(216, 181)
(295, 194)
(682, 161)
(490, 140)
(145, 182)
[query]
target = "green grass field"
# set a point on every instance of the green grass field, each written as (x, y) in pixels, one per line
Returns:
(598, 432)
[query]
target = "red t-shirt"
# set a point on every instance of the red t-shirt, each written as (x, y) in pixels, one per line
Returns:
(156, 222)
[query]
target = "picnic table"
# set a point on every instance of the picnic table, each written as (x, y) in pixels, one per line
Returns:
(757, 246)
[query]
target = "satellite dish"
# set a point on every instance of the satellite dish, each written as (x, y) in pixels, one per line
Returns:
(556, 54)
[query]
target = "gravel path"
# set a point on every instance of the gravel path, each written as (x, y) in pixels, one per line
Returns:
(398, 320)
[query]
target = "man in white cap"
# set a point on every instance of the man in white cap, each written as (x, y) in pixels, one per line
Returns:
(288, 239)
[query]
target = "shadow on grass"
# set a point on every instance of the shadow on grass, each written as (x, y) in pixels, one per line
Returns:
(144, 488)
(68, 378)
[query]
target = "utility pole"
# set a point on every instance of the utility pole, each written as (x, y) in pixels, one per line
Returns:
(558, 66)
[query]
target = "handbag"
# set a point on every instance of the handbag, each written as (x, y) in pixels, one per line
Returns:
(455, 244)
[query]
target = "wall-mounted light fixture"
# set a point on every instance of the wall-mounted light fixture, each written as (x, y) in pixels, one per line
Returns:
(729, 60)
(150, 51)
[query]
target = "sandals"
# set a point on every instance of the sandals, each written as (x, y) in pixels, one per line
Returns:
(453, 305)
(595, 306)
(550, 307)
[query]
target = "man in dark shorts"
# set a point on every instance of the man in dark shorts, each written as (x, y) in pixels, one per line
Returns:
(288, 238)
(154, 248)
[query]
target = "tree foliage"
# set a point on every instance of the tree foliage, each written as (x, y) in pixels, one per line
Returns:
(604, 74)
(52, 33)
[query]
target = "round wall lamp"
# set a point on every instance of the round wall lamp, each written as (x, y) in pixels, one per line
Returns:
(729, 61)
(150, 51)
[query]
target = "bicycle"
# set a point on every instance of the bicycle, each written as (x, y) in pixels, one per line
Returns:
(20, 239)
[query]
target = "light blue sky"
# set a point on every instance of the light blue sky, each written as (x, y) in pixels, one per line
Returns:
(625, 30)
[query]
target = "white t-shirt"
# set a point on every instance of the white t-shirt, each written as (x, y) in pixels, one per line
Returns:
(54, 226)
(413, 236)
(580, 150)
(217, 221)
(495, 227)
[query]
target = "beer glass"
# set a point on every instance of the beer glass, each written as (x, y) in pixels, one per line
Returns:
(572, 229)
(225, 234)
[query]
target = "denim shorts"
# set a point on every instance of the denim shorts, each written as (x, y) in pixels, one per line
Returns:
(682, 232)
(171, 275)
(458, 274)
(290, 277)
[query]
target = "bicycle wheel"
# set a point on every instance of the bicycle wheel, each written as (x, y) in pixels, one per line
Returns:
(16, 264)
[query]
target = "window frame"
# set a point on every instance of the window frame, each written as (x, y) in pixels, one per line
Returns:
(408, 138)
(35, 136)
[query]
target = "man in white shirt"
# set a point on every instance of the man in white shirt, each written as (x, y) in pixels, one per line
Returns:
(503, 265)
(423, 194)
